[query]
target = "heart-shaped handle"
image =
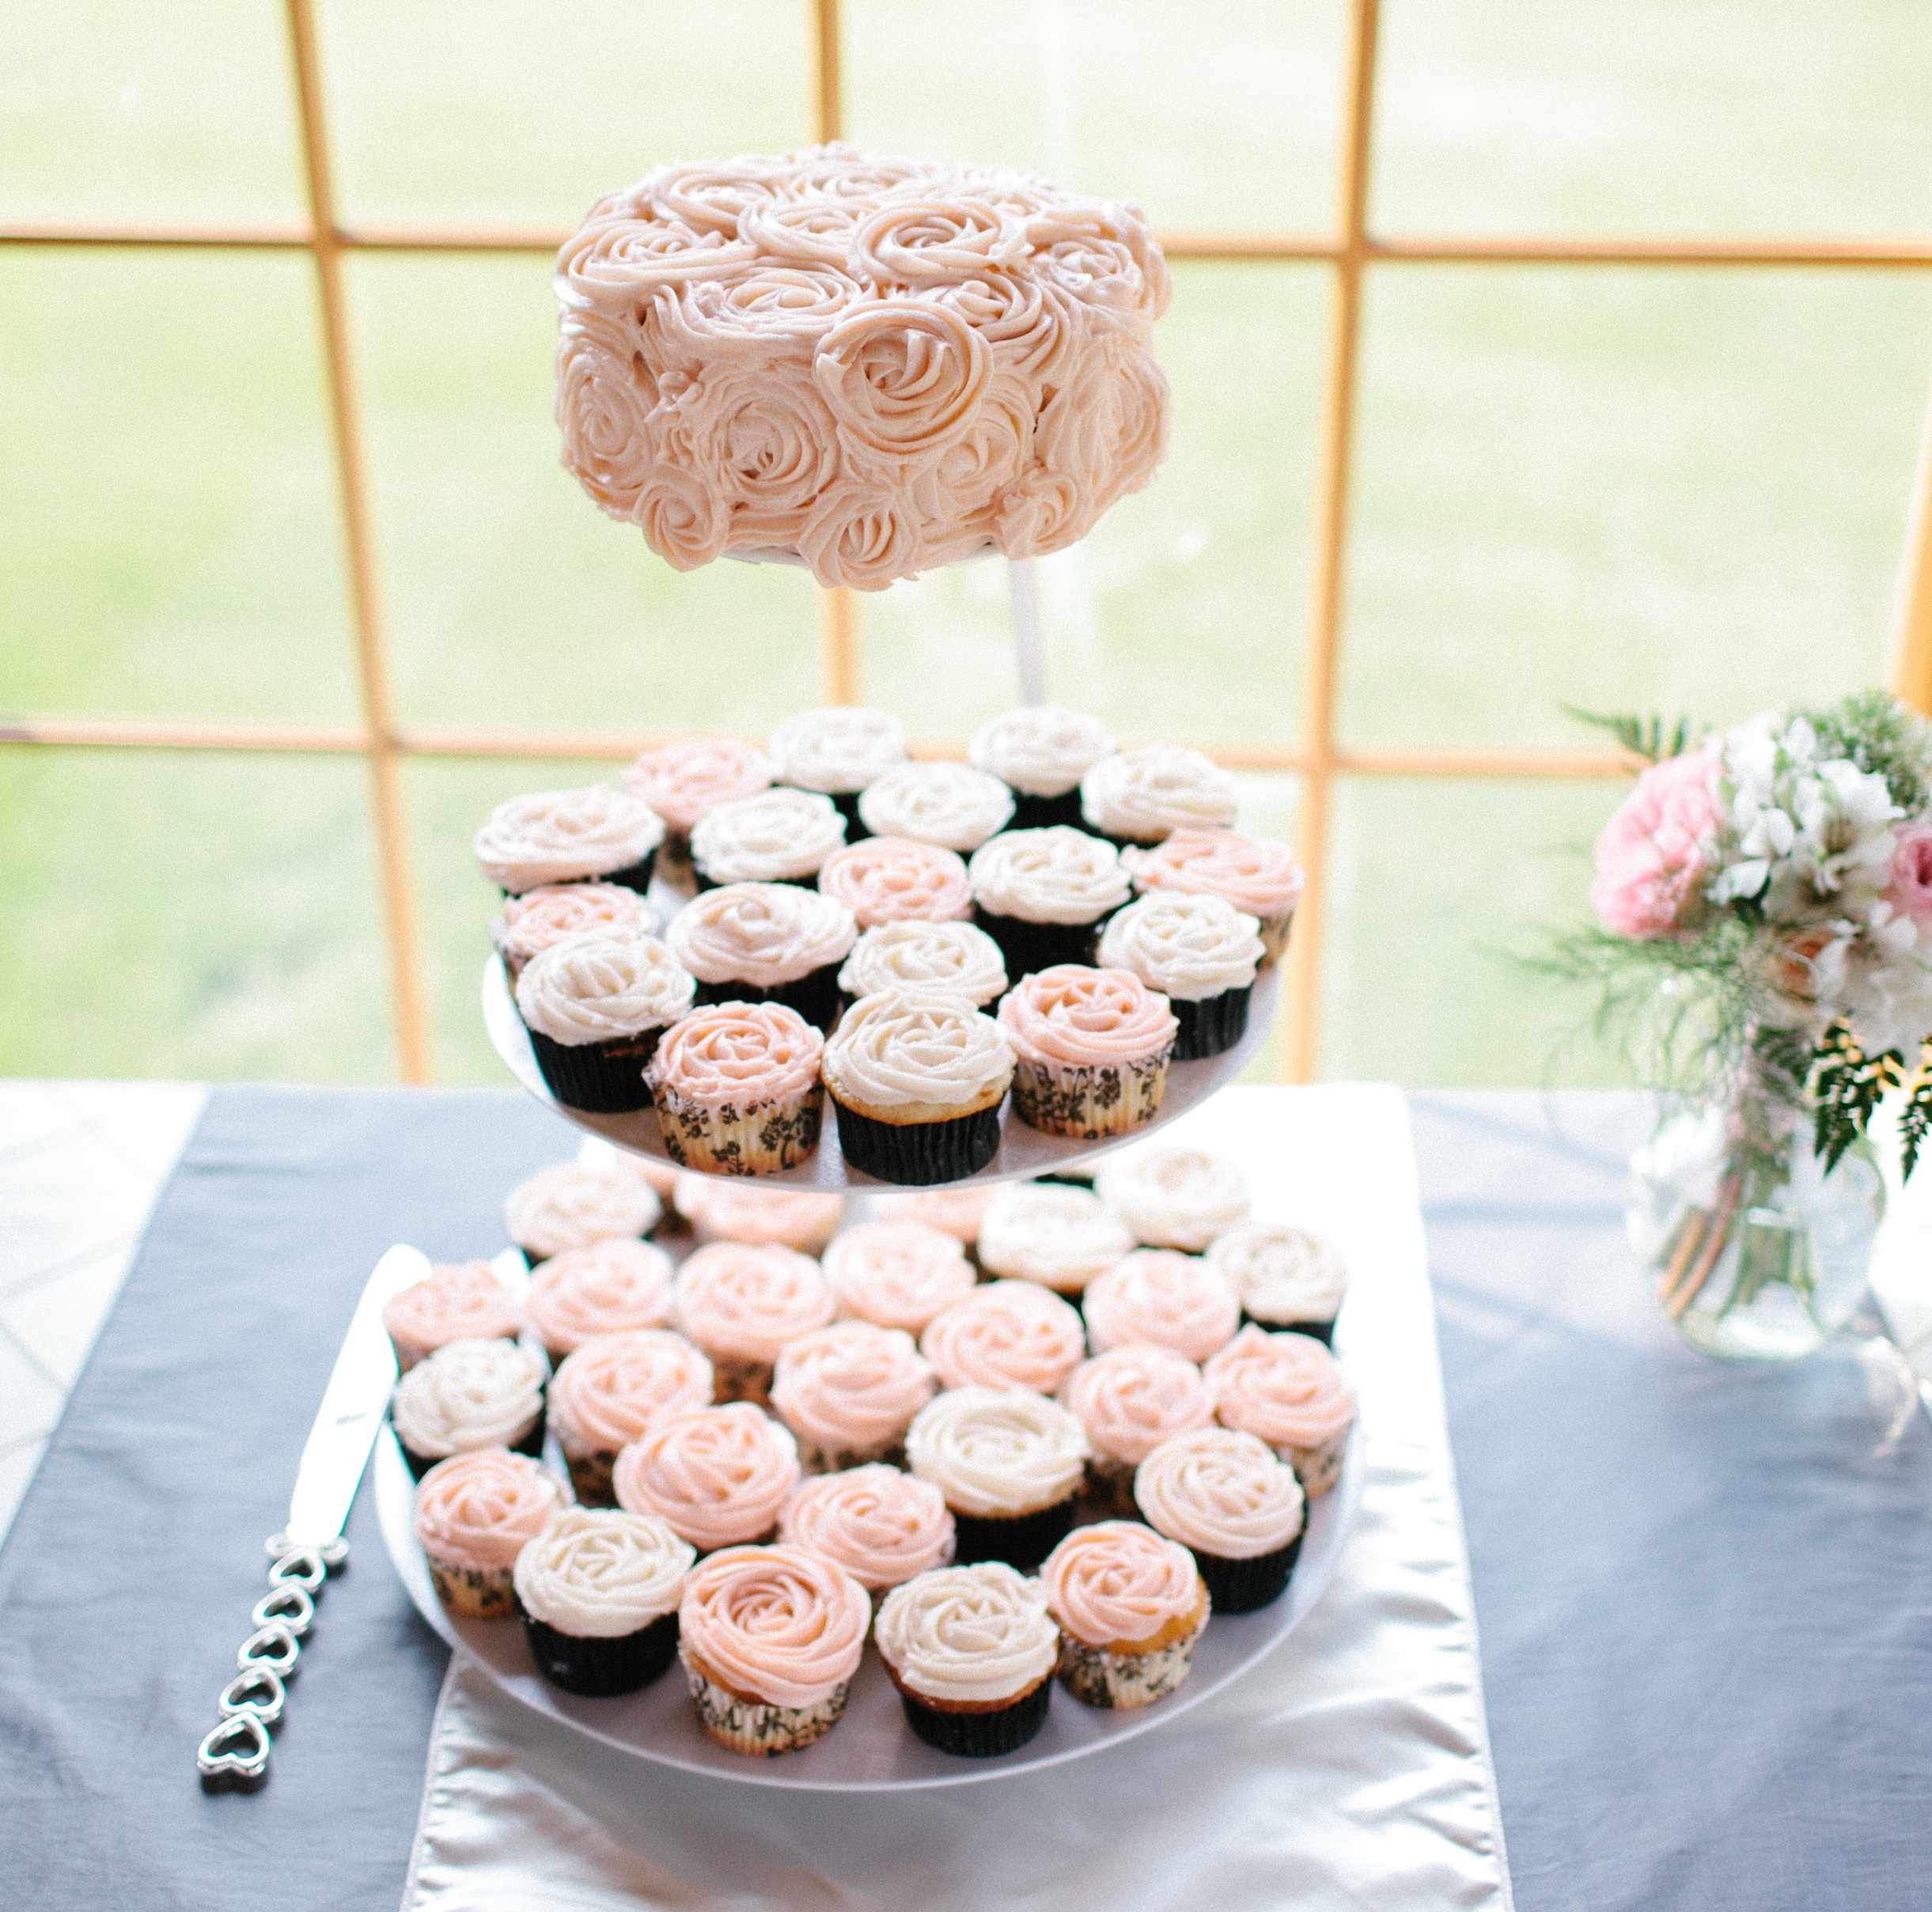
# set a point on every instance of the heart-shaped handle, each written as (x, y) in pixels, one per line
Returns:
(257, 1691)
(273, 1646)
(301, 1566)
(237, 1749)
(290, 1608)
(331, 1553)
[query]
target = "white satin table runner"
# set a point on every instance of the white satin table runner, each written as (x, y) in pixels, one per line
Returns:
(1350, 1768)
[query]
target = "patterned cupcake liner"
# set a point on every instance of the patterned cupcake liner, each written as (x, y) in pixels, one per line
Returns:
(1246, 1586)
(980, 1735)
(602, 1668)
(815, 997)
(815, 1460)
(529, 1442)
(1089, 1100)
(1212, 1026)
(591, 1477)
(1318, 1468)
(1029, 948)
(919, 1153)
(1108, 1491)
(734, 1378)
(605, 1078)
(1021, 1540)
(752, 1726)
(476, 1593)
(757, 1139)
(1119, 1682)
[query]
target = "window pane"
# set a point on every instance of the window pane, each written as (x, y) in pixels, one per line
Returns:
(1220, 115)
(191, 914)
(1183, 615)
(168, 110)
(498, 113)
(168, 535)
(1663, 489)
(1654, 116)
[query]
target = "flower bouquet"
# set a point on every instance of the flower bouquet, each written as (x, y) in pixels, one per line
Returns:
(1765, 894)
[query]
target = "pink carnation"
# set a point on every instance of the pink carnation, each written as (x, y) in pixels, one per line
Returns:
(1910, 890)
(1649, 861)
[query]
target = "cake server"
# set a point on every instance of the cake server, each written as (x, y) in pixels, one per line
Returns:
(311, 1545)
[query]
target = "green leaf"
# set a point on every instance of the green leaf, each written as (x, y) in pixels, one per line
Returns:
(1847, 1087)
(1915, 1119)
(1648, 737)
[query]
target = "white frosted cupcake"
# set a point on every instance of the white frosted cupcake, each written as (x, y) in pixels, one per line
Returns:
(1006, 1334)
(766, 942)
(609, 1288)
(1091, 1050)
(1128, 1401)
(612, 1391)
(1129, 1606)
(1142, 795)
(719, 1475)
(737, 1088)
(740, 1211)
(881, 1525)
(1259, 878)
(1010, 1463)
(897, 1274)
(779, 836)
(596, 1005)
(527, 925)
(599, 834)
(1047, 1231)
(741, 1303)
(953, 957)
(1041, 751)
(1201, 953)
(600, 1591)
(849, 1391)
(1290, 1391)
(1173, 1196)
(460, 1301)
(1286, 1277)
(893, 878)
(1041, 895)
(571, 1205)
(469, 1395)
(1157, 1297)
(1235, 1505)
(837, 752)
(474, 1514)
(949, 806)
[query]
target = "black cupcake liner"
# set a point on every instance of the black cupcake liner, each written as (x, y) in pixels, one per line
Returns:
(815, 997)
(1212, 1026)
(1045, 813)
(1323, 1331)
(919, 1153)
(1029, 948)
(1022, 1541)
(980, 1735)
(531, 1444)
(601, 1669)
(718, 883)
(633, 877)
(1246, 1586)
(604, 1078)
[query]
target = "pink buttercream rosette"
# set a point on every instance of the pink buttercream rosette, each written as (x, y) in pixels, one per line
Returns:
(872, 365)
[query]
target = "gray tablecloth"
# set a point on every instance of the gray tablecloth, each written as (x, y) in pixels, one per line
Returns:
(1707, 1609)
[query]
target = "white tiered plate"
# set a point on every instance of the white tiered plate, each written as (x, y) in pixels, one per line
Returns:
(1024, 1151)
(872, 1749)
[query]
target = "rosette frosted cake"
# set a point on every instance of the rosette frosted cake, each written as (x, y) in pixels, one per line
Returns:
(871, 364)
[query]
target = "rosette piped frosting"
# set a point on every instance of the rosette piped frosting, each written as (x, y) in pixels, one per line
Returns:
(763, 934)
(1058, 875)
(1148, 793)
(615, 1387)
(1159, 1297)
(778, 836)
(600, 1574)
(893, 878)
(460, 1301)
(1260, 878)
(838, 750)
(917, 1049)
(897, 1274)
(738, 1055)
(1221, 1492)
(601, 985)
(1049, 1233)
(1281, 1273)
(611, 1287)
(468, 1394)
(1117, 1584)
(745, 1301)
(529, 924)
(479, 1510)
(1040, 750)
(571, 1205)
(852, 1388)
(1287, 1389)
(952, 806)
(953, 958)
(684, 782)
(1189, 948)
(1131, 1399)
(1077, 1017)
(973, 1635)
(881, 1525)
(563, 836)
(997, 1451)
(718, 1474)
(1005, 1334)
(1173, 1196)
(774, 1623)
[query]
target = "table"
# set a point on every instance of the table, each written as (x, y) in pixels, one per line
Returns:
(1706, 1606)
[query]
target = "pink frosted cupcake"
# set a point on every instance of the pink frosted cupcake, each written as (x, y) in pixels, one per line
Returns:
(1128, 1401)
(897, 1274)
(1260, 878)
(612, 1391)
(737, 1091)
(1289, 1391)
(732, 1211)
(473, 1513)
(609, 1288)
(741, 1304)
(1005, 1334)
(893, 878)
(1129, 1606)
(957, 1212)
(684, 782)
(571, 1205)
(461, 1301)
(849, 1391)
(1158, 1298)
(770, 1637)
(1092, 1048)
(531, 923)
(881, 1525)
(718, 1475)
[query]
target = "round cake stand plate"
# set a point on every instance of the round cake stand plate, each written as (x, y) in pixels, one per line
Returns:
(871, 1749)
(1024, 1152)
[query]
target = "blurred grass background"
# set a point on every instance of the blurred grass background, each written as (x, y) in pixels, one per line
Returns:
(1652, 488)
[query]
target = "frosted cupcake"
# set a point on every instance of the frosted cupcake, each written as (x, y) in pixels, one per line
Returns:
(1143, 795)
(1047, 1231)
(782, 836)
(1237, 1507)
(1010, 1463)
(892, 879)
(837, 752)
(1129, 1606)
(1259, 878)
(897, 1273)
(766, 942)
(1201, 953)
(951, 806)
(881, 1525)
(917, 1079)
(1286, 1277)
(529, 924)
(571, 1205)
(1128, 1401)
(737, 1211)
(469, 1395)
(1173, 1196)
(600, 1591)
(685, 783)
(1288, 1391)
(1006, 1334)
(473, 1513)
(719, 1475)
(953, 957)
(741, 1304)
(971, 1650)
(770, 1637)
(1041, 751)
(595, 834)
(1158, 1298)
(957, 1212)
(736, 1087)
(609, 1288)
(848, 1392)
(1041, 895)
(612, 1391)
(461, 1301)
(1091, 1048)
(596, 1005)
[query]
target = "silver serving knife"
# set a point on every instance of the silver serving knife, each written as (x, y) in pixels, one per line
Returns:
(236, 1753)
